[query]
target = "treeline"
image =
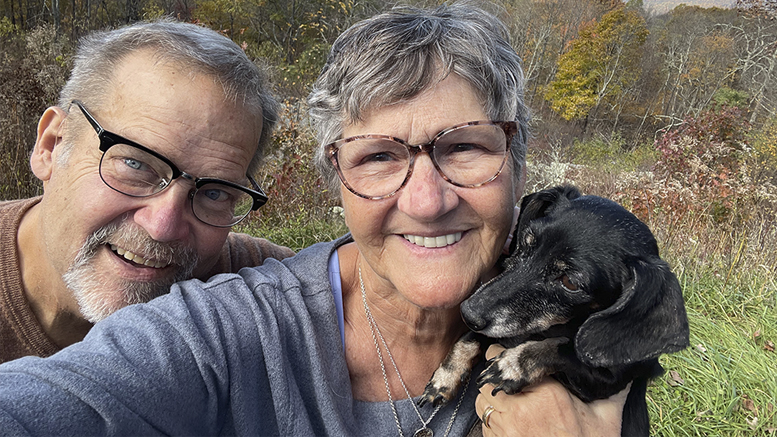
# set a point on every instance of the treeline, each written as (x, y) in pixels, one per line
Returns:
(593, 67)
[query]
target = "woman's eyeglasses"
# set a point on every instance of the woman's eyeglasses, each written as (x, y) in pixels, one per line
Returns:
(466, 155)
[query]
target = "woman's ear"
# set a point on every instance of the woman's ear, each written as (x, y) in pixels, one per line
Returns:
(49, 135)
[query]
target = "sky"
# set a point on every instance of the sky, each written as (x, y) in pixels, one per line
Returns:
(660, 6)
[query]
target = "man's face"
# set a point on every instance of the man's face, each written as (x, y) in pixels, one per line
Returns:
(114, 249)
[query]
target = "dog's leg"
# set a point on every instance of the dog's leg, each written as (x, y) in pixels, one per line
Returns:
(525, 364)
(453, 371)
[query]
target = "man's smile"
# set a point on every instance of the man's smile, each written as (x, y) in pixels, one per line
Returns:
(130, 256)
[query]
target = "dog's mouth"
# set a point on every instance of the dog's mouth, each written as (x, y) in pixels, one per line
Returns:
(434, 242)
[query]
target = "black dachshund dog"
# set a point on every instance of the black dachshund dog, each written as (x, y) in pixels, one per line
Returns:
(583, 296)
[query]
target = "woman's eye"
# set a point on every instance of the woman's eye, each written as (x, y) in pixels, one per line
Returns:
(378, 157)
(463, 147)
(567, 283)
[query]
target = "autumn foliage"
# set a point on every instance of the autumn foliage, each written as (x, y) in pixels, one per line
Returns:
(599, 66)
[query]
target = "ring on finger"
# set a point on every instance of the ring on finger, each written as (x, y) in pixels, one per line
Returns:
(487, 415)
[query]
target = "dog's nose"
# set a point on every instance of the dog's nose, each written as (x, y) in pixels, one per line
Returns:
(472, 317)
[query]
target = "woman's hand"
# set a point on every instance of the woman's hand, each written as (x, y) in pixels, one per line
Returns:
(548, 409)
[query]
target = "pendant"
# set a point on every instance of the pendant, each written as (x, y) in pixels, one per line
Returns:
(424, 432)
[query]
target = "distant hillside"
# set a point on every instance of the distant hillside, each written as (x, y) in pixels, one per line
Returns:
(660, 6)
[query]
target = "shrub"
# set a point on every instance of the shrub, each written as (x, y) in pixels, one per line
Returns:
(33, 71)
(300, 210)
(702, 171)
(763, 162)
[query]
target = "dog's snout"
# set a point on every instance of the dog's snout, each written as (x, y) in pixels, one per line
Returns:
(473, 317)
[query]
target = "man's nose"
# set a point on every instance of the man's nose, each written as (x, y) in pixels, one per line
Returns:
(426, 196)
(167, 216)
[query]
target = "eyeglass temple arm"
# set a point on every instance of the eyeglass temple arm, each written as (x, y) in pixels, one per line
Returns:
(89, 117)
(262, 198)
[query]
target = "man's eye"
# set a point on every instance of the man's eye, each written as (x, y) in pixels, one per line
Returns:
(215, 195)
(133, 164)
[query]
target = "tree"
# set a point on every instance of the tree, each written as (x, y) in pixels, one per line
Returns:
(695, 53)
(293, 35)
(600, 64)
(756, 45)
(541, 30)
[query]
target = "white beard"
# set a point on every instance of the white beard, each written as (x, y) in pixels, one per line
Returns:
(96, 300)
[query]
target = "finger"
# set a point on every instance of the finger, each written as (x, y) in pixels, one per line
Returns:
(494, 350)
(481, 407)
(620, 397)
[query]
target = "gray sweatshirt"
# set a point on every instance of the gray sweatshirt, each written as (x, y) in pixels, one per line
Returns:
(254, 353)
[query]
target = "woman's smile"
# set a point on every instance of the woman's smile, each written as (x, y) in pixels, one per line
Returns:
(432, 242)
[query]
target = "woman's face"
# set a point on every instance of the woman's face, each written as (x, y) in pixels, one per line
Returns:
(430, 207)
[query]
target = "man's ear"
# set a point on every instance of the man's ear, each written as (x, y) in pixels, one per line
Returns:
(49, 135)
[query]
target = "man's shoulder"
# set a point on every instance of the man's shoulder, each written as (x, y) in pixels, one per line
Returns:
(243, 250)
(244, 243)
(10, 209)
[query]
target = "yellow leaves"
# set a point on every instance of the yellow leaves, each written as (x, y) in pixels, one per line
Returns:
(599, 64)
(6, 27)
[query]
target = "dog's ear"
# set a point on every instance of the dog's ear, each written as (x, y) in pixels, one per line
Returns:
(647, 320)
(540, 204)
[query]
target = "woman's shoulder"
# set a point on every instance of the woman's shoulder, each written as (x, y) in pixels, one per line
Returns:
(298, 281)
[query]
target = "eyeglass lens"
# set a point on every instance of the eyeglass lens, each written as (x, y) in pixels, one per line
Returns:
(467, 156)
(134, 172)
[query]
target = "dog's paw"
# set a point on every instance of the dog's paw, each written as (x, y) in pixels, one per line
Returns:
(495, 375)
(435, 395)
(452, 373)
(443, 387)
(515, 368)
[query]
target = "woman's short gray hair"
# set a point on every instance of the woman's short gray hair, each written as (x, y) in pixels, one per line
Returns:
(194, 48)
(396, 55)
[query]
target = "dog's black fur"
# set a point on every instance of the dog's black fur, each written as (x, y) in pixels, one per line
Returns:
(584, 296)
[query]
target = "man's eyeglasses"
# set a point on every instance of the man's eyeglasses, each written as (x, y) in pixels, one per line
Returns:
(137, 171)
(466, 155)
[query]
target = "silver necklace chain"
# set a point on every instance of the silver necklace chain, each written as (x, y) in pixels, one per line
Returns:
(424, 431)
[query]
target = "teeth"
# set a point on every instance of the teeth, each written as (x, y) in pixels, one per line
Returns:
(137, 258)
(430, 242)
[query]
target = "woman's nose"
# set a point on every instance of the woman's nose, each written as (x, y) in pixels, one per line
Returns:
(427, 195)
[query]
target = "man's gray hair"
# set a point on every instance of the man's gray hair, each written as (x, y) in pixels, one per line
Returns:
(195, 48)
(394, 56)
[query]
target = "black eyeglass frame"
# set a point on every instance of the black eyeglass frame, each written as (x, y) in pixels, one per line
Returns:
(109, 139)
(510, 128)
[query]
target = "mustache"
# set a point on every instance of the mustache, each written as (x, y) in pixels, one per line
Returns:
(135, 239)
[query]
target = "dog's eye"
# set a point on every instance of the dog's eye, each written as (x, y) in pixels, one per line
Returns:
(568, 284)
